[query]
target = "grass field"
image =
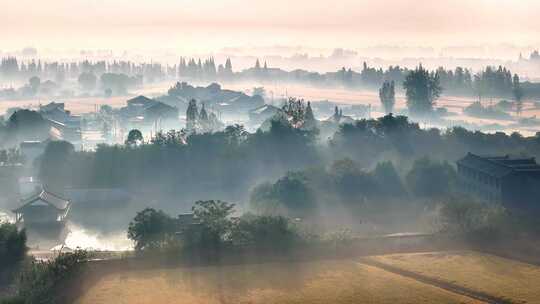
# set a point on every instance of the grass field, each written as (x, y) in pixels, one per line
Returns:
(512, 280)
(311, 282)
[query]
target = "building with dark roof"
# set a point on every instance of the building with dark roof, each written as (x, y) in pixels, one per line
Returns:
(143, 112)
(43, 207)
(43, 215)
(262, 113)
(513, 182)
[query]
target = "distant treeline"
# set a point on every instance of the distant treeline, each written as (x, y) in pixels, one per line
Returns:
(13, 69)
(491, 82)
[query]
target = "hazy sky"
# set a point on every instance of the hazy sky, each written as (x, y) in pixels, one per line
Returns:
(206, 25)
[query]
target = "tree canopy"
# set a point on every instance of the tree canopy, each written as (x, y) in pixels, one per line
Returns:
(422, 88)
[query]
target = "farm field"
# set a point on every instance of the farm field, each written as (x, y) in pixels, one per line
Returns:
(515, 281)
(310, 282)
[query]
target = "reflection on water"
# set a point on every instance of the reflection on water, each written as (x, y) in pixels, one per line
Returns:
(86, 239)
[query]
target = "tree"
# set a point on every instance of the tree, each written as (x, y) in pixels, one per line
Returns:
(3, 156)
(472, 220)
(309, 118)
(268, 233)
(203, 115)
(235, 134)
(518, 94)
(170, 139)
(295, 110)
(388, 179)
(228, 72)
(40, 281)
(387, 95)
(352, 183)
(107, 92)
(479, 87)
(27, 125)
(421, 90)
(12, 244)
(134, 138)
(87, 81)
(204, 120)
(118, 83)
(15, 156)
(429, 178)
(293, 193)
(55, 171)
(151, 230)
(34, 83)
(192, 115)
(214, 218)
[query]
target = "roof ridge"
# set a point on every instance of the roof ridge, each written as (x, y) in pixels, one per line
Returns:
(492, 161)
(513, 165)
(54, 195)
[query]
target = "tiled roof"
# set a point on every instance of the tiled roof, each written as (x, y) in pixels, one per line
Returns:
(499, 166)
(143, 100)
(52, 199)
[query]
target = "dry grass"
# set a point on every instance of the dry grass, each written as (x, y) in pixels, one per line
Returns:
(313, 282)
(518, 282)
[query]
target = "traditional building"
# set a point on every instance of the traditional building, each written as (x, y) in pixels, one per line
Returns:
(43, 211)
(513, 182)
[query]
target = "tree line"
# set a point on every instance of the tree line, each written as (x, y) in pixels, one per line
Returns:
(176, 168)
(491, 82)
(422, 89)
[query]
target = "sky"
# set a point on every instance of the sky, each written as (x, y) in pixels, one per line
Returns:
(208, 25)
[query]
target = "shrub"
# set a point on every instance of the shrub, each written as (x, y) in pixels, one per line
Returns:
(290, 194)
(151, 230)
(472, 220)
(40, 281)
(213, 228)
(265, 232)
(429, 178)
(12, 244)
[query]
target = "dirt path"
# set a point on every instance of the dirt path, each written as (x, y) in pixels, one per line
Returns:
(437, 283)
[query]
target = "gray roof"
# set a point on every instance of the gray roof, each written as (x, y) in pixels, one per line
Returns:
(52, 106)
(141, 100)
(51, 199)
(499, 166)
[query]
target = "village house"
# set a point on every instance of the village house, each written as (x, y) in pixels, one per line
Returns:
(54, 111)
(262, 113)
(142, 112)
(43, 212)
(64, 126)
(512, 182)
